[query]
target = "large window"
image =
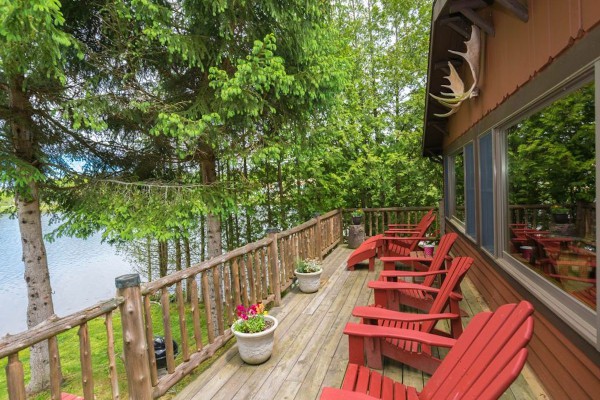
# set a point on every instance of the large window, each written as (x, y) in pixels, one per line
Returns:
(470, 191)
(486, 178)
(459, 186)
(551, 192)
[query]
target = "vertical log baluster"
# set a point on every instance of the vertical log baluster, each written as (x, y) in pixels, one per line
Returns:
(216, 275)
(244, 282)
(250, 273)
(15, 378)
(228, 301)
(267, 278)
(55, 378)
(274, 267)
(237, 298)
(185, 351)
(210, 326)
(85, 357)
(110, 352)
(166, 316)
(258, 275)
(150, 339)
(193, 285)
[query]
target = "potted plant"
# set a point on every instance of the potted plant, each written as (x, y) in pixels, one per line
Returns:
(308, 273)
(560, 215)
(255, 333)
(357, 216)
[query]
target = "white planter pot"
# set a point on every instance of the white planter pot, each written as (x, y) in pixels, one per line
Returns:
(309, 282)
(256, 348)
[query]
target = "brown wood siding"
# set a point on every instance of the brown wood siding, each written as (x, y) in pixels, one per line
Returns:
(520, 50)
(564, 369)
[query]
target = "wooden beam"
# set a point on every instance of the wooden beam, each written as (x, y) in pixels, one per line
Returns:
(457, 6)
(444, 64)
(456, 23)
(487, 26)
(519, 9)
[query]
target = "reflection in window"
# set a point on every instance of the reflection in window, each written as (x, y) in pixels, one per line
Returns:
(552, 181)
(459, 186)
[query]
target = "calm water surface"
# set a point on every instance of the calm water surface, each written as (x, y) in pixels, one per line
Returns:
(82, 273)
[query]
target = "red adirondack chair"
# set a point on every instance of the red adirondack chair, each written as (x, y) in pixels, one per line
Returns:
(375, 245)
(377, 322)
(416, 297)
(481, 365)
(418, 262)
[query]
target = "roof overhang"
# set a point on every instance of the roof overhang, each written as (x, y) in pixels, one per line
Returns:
(450, 27)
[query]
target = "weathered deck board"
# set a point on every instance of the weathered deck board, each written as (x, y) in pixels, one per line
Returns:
(311, 350)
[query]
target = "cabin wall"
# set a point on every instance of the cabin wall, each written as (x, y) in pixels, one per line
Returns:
(519, 51)
(568, 366)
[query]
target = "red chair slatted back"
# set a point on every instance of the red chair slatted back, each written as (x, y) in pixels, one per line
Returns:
(458, 269)
(487, 358)
(446, 243)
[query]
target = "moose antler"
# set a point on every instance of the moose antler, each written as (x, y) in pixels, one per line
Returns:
(454, 99)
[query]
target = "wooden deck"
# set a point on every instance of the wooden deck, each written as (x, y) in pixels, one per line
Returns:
(311, 350)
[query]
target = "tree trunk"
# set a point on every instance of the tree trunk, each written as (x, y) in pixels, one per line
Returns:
(247, 209)
(163, 258)
(149, 258)
(282, 218)
(37, 277)
(213, 222)
(178, 254)
(188, 264)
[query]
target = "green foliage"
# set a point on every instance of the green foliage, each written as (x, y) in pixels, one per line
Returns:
(308, 266)
(552, 153)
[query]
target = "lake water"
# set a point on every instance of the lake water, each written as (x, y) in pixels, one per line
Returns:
(82, 273)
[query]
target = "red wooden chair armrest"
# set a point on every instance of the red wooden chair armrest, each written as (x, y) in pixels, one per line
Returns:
(412, 238)
(384, 285)
(405, 259)
(375, 331)
(399, 274)
(330, 393)
(456, 296)
(368, 312)
(398, 230)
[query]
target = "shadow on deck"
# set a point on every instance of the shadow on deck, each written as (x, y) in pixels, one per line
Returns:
(311, 351)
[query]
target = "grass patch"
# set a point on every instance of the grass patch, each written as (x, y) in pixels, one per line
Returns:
(68, 343)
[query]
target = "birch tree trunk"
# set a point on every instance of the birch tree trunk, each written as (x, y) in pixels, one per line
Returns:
(213, 222)
(37, 277)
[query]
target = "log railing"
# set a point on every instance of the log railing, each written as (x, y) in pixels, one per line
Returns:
(376, 220)
(46, 334)
(258, 271)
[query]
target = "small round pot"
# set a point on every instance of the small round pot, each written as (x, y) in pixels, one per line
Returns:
(356, 220)
(561, 218)
(256, 348)
(309, 282)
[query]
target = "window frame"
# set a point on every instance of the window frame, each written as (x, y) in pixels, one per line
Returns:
(460, 224)
(582, 319)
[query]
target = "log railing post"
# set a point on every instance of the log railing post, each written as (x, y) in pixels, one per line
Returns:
(135, 348)
(318, 237)
(15, 378)
(341, 226)
(274, 261)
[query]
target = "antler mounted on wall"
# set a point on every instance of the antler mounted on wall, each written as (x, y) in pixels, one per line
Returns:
(454, 99)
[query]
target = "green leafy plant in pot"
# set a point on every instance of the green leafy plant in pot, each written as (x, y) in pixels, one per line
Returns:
(255, 333)
(357, 216)
(560, 215)
(309, 273)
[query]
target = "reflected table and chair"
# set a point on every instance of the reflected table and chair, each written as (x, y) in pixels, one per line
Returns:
(568, 261)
